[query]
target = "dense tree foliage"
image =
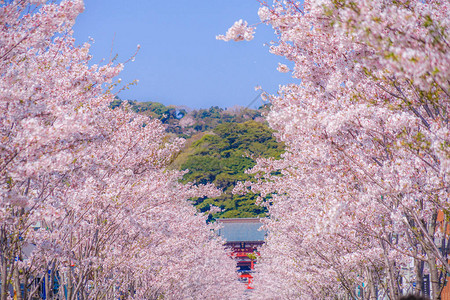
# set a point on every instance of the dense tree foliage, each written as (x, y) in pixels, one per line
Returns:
(186, 122)
(362, 208)
(88, 209)
(222, 156)
(222, 144)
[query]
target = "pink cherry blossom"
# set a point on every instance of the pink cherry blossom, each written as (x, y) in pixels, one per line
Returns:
(238, 32)
(85, 196)
(355, 199)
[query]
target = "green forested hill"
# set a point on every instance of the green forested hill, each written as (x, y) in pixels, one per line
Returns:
(221, 145)
(186, 122)
(222, 156)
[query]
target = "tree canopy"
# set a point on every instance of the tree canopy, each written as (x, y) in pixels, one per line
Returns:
(221, 145)
(222, 156)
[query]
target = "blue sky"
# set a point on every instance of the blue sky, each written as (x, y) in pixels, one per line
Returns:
(180, 61)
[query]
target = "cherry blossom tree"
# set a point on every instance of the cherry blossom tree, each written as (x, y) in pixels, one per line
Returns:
(365, 177)
(87, 208)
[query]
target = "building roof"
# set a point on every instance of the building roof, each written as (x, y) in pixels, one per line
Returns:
(241, 230)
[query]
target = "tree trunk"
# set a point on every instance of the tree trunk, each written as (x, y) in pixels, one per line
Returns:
(47, 285)
(371, 283)
(434, 279)
(418, 268)
(16, 282)
(432, 259)
(69, 284)
(25, 284)
(62, 284)
(52, 278)
(4, 278)
(392, 278)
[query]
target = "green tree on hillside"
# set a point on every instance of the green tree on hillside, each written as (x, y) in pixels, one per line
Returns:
(222, 144)
(222, 157)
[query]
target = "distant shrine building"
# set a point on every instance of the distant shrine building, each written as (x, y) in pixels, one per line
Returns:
(243, 236)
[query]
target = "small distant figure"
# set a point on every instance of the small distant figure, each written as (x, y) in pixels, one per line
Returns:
(413, 297)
